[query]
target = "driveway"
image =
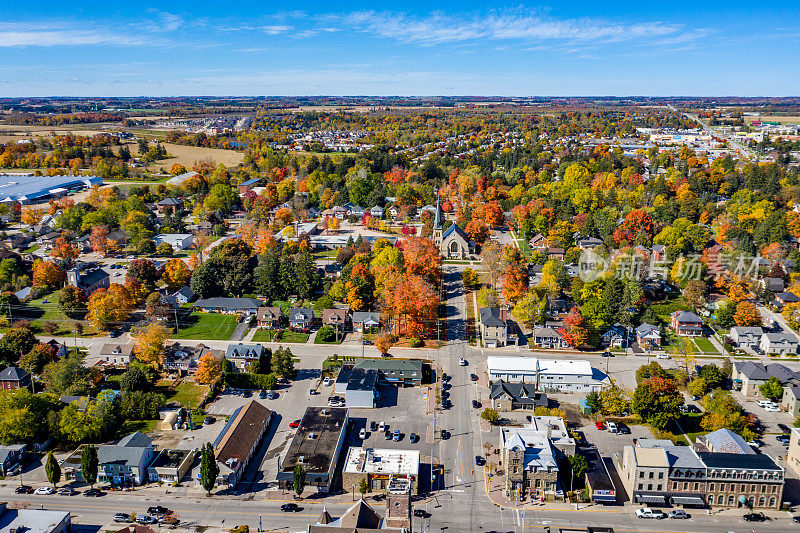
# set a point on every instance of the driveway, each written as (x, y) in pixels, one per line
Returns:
(241, 330)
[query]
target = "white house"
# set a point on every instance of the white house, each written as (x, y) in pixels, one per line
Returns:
(779, 343)
(179, 241)
(553, 375)
(512, 369)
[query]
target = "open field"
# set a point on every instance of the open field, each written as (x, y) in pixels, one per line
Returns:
(187, 155)
(206, 326)
(792, 119)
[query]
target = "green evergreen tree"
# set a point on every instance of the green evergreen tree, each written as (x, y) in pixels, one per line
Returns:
(89, 464)
(208, 468)
(52, 469)
(299, 479)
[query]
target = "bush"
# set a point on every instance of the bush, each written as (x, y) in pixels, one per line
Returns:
(165, 249)
(326, 334)
(415, 342)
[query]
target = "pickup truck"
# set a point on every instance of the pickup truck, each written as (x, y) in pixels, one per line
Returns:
(649, 513)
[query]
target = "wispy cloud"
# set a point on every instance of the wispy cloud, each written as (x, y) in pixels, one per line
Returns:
(18, 34)
(439, 27)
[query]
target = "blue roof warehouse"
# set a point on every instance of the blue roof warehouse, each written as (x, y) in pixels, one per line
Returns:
(28, 189)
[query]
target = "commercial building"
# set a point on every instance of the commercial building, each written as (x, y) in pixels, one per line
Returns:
(598, 481)
(549, 375)
(737, 480)
(29, 189)
(34, 520)
(380, 467)
(405, 372)
(358, 386)
(239, 439)
(171, 466)
(793, 456)
(241, 355)
(178, 241)
(88, 278)
(315, 446)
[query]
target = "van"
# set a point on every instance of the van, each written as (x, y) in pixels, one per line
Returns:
(612, 427)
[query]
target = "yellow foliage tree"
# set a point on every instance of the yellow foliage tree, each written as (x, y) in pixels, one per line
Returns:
(107, 306)
(208, 369)
(176, 274)
(149, 347)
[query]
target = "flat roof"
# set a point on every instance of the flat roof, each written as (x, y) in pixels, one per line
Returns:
(565, 367)
(21, 188)
(511, 364)
(382, 461)
(32, 520)
(315, 440)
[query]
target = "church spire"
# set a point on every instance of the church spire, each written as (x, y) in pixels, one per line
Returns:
(437, 221)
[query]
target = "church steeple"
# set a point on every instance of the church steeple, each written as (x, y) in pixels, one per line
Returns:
(437, 221)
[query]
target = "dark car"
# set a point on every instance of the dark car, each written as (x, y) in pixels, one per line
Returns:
(262, 394)
(157, 510)
(607, 354)
(476, 404)
(373, 426)
(24, 489)
(94, 493)
(755, 517)
(146, 520)
(114, 333)
(367, 343)
(291, 508)
(414, 438)
(796, 519)
(473, 377)
(421, 513)
(444, 377)
(479, 461)
(209, 420)
(622, 429)
(445, 434)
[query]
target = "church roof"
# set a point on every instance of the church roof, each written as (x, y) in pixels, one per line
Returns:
(455, 229)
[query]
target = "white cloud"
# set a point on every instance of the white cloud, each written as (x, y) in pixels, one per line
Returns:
(439, 27)
(22, 34)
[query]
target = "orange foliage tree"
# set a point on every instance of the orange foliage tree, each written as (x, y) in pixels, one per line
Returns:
(209, 369)
(64, 250)
(416, 305)
(637, 223)
(108, 306)
(515, 282)
(747, 315)
(422, 258)
(47, 274)
(176, 274)
(574, 331)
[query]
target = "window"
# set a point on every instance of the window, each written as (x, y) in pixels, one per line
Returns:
(658, 488)
(730, 499)
(722, 486)
(641, 486)
(761, 501)
(649, 486)
(721, 500)
(661, 475)
(641, 475)
(772, 502)
(650, 475)
(696, 486)
(710, 486)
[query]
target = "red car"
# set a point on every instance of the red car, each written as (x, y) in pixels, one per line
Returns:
(599, 425)
(294, 424)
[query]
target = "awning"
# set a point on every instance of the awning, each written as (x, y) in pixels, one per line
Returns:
(651, 498)
(688, 500)
(604, 498)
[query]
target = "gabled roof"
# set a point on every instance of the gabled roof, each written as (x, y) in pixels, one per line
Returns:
(686, 317)
(301, 313)
(186, 292)
(170, 201)
(13, 373)
(726, 441)
(269, 313)
(137, 439)
(747, 330)
(360, 515)
(242, 433)
(455, 229)
(787, 297)
(646, 330)
(491, 316)
(244, 351)
(520, 392)
(359, 317)
(229, 304)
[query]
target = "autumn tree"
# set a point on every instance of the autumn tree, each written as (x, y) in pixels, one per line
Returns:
(72, 301)
(108, 306)
(422, 258)
(515, 282)
(149, 344)
(574, 331)
(209, 369)
(747, 314)
(99, 239)
(47, 275)
(469, 277)
(491, 261)
(176, 274)
(657, 400)
(384, 342)
(31, 215)
(695, 293)
(64, 250)
(637, 225)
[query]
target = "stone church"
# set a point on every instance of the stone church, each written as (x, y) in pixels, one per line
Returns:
(453, 243)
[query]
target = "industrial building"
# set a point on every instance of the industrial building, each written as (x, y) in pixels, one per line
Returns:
(30, 189)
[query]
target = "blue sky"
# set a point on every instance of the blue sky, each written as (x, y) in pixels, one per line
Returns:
(413, 48)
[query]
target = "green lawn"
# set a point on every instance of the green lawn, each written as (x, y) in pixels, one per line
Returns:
(130, 426)
(294, 336)
(38, 312)
(268, 335)
(210, 326)
(704, 345)
(186, 394)
(264, 335)
(318, 341)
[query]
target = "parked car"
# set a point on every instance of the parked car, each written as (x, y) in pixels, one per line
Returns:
(623, 429)
(662, 356)
(43, 491)
(414, 438)
(24, 489)
(367, 343)
(646, 512)
(326, 382)
(479, 461)
(382, 426)
(122, 517)
(271, 395)
(209, 420)
(764, 403)
(473, 377)
(146, 519)
(362, 434)
(387, 435)
(679, 514)
(294, 424)
(476, 404)
(753, 443)
(445, 377)
(262, 394)
(772, 409)
(94, 493)
(396, 435)
(796, 519)
(291, 508)
(445, 434)
(755, 517)
(421, 513)
(599, 425)
(612, 427)
(462, 361)
(157, 510)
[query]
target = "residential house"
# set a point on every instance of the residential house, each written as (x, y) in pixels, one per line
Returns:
(746, 336)
(539, 243)
(241, 355)
(376, 211)
(648, 336)
(686, 324)
(14, 378)
(178, 241)
(239, 440)
(774, 285)
(658, 253)
(170, 205)
(336, 318)
(750, 375)
(785, 298)
(300, 317)
(183, 296)
(229, 306)
(269, 317)
(88, 278)
(534, 274)
(11, 458)
(59, 348)
(494, 326)
(615, 336)
(124, 463)
(171, 466)
(554, 252)
(248, 185)
(356, 211)
(548, 337)
(340, 212)
(588, 244)
(512, 396)
(48, 239)
(364, 321)
(184, 359)
(117, 354)
(778, 343)
(791, 400)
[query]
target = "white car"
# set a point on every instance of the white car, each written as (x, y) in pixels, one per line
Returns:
(382, 427)
(649, 513)
(772, 408)
(612, 427)
(362, 434)
(43, 491)
(326, 382)
(462, 361)
(662, 356)
(764, 403)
